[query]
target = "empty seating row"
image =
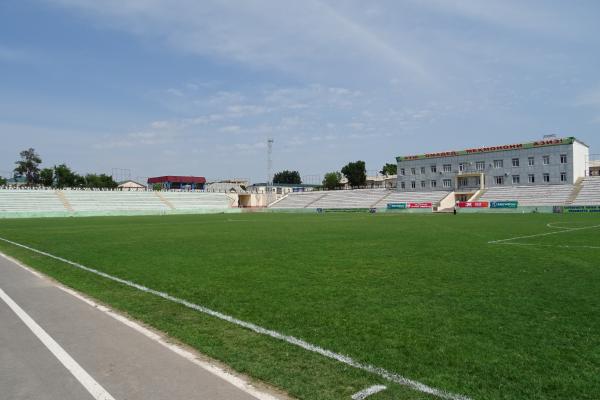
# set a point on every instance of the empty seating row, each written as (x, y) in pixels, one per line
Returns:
(194, 201)
(539, 195)
(29, 201)
(360, 198)
(89, 202)
(589, 193)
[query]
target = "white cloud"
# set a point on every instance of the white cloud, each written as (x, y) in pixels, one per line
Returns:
(263, 34)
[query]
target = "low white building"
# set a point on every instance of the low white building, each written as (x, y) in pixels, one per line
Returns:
(131, 186)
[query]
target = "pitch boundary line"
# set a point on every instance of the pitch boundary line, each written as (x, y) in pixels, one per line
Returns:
(85, 379)
(363, 394)
(562, 230)
(387, 375)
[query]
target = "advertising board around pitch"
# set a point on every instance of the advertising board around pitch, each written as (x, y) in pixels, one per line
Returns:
(472, 204)
(504, 204)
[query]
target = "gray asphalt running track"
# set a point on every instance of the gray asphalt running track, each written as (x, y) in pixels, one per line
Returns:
(126, 363)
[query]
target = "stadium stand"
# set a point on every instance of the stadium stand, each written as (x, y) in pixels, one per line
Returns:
(549, 195)
(98, 202)
(20, 201)
(195, 201)
(412, 197)
(84, 200)
(589, 193)
(359, 198)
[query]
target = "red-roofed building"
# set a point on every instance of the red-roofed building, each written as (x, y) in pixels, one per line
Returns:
(178, 182)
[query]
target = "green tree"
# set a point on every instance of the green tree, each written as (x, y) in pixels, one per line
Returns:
(100, 181)
(389, 169)
(332, 180)
(29, 166)
(47, 177)
(65, 177)
(356, 173)
(290, 177)
(2, 181)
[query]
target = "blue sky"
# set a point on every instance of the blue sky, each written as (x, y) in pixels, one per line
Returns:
(196, 87)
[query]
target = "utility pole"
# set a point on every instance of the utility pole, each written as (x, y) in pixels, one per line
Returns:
(269, 170)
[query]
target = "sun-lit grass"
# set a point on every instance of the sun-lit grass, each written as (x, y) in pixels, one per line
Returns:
(424, 296)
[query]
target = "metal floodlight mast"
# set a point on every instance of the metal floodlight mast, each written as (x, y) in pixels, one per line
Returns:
(269, 169)
(269, 162)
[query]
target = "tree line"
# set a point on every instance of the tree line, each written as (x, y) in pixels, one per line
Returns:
(355, 172)
(58, 176)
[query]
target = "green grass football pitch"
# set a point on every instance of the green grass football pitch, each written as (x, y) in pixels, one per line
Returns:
(427, 297)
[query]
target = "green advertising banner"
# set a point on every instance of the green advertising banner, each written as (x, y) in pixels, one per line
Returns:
(504, 204)
(396, 205)
(345, 210)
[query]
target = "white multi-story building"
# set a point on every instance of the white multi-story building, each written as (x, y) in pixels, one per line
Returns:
(542, 162)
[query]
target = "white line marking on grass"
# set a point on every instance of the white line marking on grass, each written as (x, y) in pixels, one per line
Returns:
(363, 394)
(552, 225)
(542, 234)
(95, 389)
(549, 245)
(388, 375)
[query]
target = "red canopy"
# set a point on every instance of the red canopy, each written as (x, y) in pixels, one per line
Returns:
(177, 179)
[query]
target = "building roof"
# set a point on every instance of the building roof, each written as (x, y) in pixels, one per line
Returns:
(489, 149)
(131, 184)
(177, 179)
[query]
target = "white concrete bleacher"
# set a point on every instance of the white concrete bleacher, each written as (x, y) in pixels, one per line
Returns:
(358, 198)
(110, 201)
(589, 194)
(196, 200)
(298, 200)
(538, 195)
(101, 202)
(30, 201)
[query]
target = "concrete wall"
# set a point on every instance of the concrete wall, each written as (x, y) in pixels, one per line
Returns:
(581, 159)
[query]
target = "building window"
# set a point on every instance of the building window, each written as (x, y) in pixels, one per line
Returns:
(515, 162)
(530, 161)
(499, 180)
(563, 176)
(546, 160)
(447, 183)
(423, 184)
(433, 184)
(480, 165)
(413, 171)
(413, 184)
(531, 178)
(516, 179)
(447, 167)
(546, 178)
(461, 167)
(563, 158)
(402, 185)
(423, 170)
(498, 163)
(433, 168)
(402, 172)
